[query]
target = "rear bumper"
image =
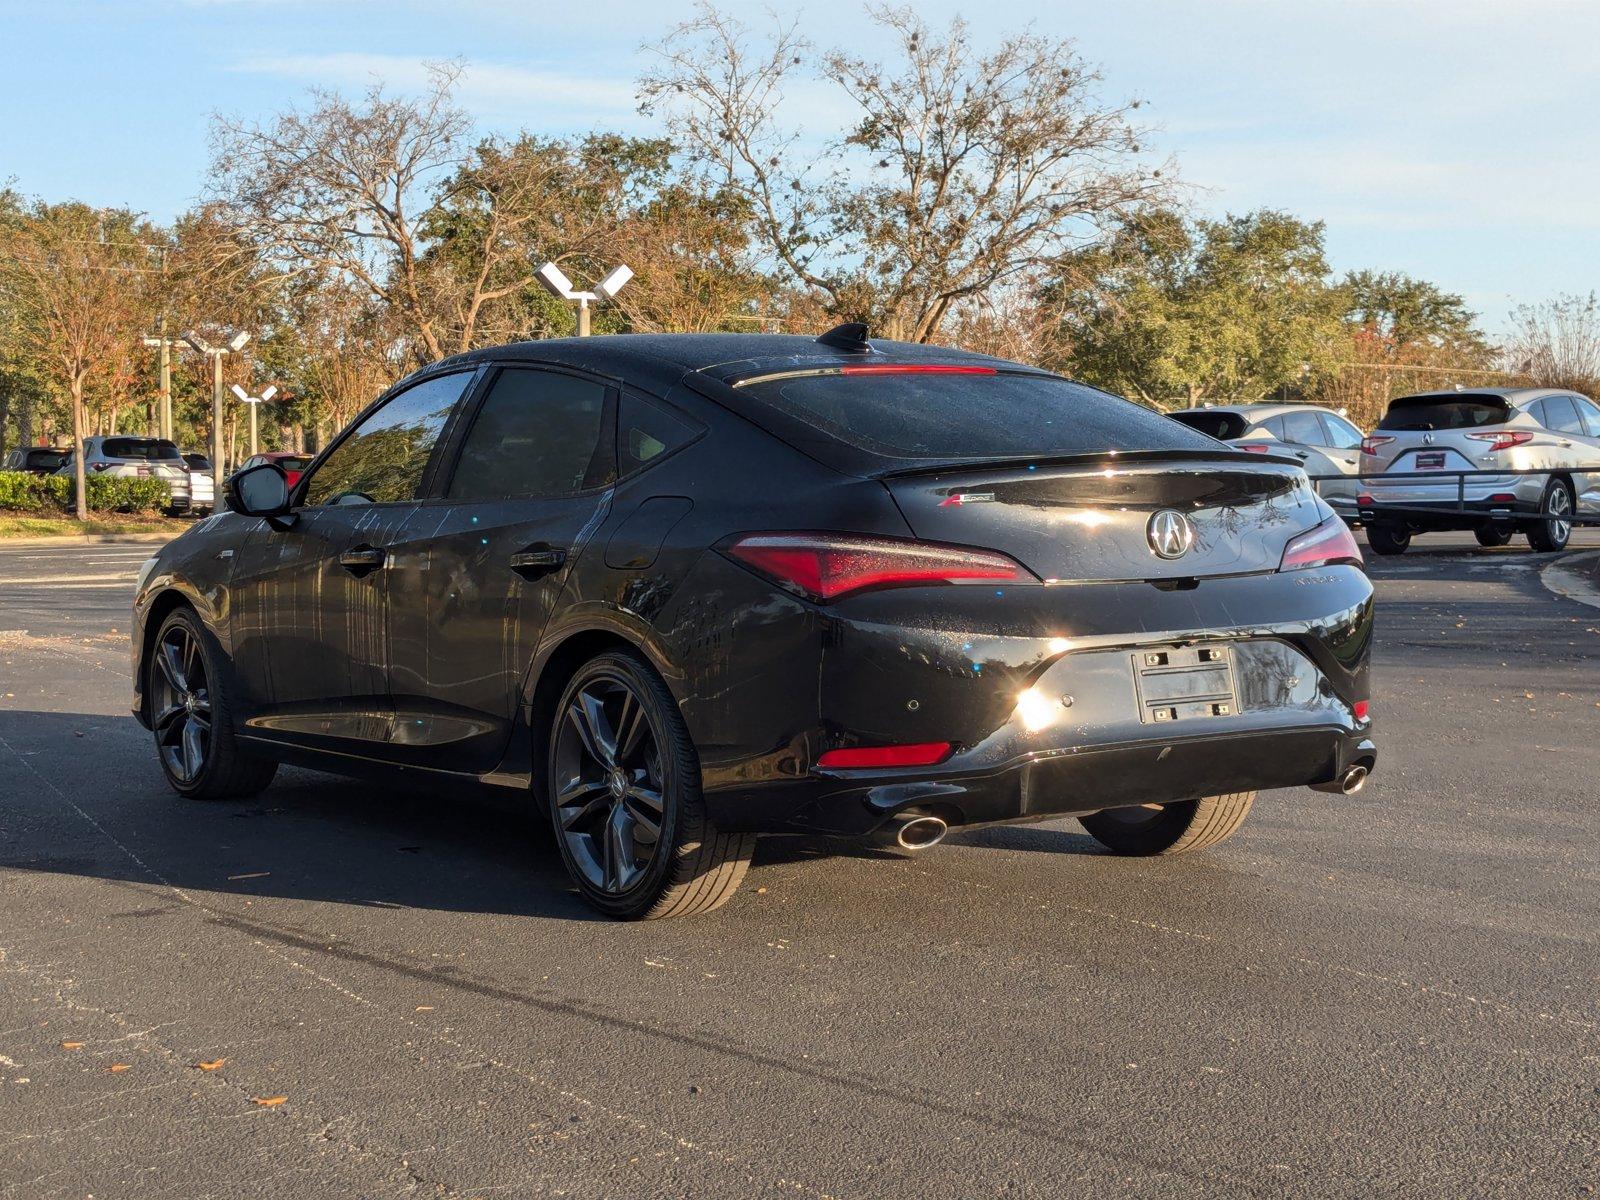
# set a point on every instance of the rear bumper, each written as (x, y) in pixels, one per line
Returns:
(1445, 504)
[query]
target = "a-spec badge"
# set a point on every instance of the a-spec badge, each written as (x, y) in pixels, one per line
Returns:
(956, 499)
(1169, 533)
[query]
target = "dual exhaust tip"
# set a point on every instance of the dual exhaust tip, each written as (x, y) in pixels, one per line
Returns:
(1348, 784)
(917, 831)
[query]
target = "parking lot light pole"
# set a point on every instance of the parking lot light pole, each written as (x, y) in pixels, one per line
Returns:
(234, 344)
(555, 281)
(167, 345)
(253, 401)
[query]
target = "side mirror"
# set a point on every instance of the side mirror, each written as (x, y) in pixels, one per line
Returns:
(260, 491)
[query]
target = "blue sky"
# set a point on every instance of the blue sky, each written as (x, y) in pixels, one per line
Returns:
(1453, 139)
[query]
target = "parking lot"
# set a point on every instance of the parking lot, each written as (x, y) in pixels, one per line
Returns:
(342, 990)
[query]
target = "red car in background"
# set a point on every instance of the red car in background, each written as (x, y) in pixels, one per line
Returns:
(293, 464)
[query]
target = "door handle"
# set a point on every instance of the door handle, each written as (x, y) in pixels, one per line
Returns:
(358, 560)
(535, 561)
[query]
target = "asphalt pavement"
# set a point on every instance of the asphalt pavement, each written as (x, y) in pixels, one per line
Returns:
(337, 990)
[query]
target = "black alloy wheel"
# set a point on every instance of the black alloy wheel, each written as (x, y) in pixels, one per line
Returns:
(624, 794)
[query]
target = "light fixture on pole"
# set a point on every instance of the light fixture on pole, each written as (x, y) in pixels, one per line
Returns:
(253, 401)
(555, 281)
(233, 345)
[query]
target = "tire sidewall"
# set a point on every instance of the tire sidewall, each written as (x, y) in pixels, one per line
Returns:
(215, 686)
(625, 668)
(1540, 535)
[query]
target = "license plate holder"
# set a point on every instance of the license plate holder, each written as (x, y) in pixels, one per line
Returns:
(1431, 462)
(1184, 683)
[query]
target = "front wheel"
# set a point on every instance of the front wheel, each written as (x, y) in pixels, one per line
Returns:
(189, 700)
(623, 784)
(1551, 534)
(1150, 829)
(1388, 539)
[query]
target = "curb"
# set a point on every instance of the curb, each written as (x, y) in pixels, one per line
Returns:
(1575, 576)
(91, 539)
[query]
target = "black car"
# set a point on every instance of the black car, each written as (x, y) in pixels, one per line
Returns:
(687, 589)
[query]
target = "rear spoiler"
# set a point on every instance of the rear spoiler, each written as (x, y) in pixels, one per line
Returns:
(1098, 458)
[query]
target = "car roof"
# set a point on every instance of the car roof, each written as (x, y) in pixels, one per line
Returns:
(666, 357)
(1516, 396)
(1257, 412)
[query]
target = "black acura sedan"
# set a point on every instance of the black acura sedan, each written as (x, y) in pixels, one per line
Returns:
(685, 590)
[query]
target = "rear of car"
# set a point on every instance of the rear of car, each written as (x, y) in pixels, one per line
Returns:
(1325, 443)
(202, 487)
(1072, 605)
(137, 458)
(36, 460)
(1437, 454)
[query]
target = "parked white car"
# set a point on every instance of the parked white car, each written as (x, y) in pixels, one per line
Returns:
(138, 458)
(202, 487)
(1323, 441)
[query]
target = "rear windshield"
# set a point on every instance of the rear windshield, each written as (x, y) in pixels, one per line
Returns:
(930, 416)
(1224, 426)
(40, 459)
(1445, 412)
(143, 448)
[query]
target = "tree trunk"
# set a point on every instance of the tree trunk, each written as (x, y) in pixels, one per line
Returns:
(79, 471)
(5, 414)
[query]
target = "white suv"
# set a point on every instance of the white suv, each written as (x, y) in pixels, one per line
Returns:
(136, 458)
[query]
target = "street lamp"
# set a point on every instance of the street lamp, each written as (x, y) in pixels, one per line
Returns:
(246, 398)
(167, 345)
(555, 281)
(233, 345)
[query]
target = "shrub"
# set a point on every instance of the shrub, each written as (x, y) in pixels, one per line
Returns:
(24, 492)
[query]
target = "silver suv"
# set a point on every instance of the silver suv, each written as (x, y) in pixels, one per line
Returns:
(1549, 430)
(1324, 442)
(136, 458)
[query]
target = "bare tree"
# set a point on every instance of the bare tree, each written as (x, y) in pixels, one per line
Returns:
(78, 292)
(964, 171)
(1557, 343)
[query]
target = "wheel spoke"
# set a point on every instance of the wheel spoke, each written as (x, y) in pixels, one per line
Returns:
(647, 821)
(194, 751)
(588, 715)
(167, 660)
(631, 727)
(647, 796)
(166, 717)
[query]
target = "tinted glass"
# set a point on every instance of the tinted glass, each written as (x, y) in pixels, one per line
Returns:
(383, 458)
(199, 462)
(1561, 414)
(45, 460)
(1302, 428)
(1340, 432)
(147, 449)
(1224, 426)
(938, 416)
(1445, 412)
(293, 462)
(1591, 417)
(537, 434)
(645, 432)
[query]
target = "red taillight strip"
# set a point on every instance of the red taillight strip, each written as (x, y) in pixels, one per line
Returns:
(826, 566)
(869, 369)
(921, 754)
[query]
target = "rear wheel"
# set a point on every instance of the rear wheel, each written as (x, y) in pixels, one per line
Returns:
(624, 793)
(1550, 534)
(1170, 828)
(1492, 535)
(189, 713)
(1388, 539)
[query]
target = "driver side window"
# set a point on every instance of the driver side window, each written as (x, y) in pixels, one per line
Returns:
(383, 458)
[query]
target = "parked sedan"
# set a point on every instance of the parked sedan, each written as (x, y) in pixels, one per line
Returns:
(36, 460)
(139, 458)
(1320, 438)
(685, 590)
(1549, 431)
(293, 464)
(202, 487)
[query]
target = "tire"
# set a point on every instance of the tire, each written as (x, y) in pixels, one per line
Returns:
(188, 689)
(1492, 535)
(1388, 539)
(619, 762)
(1170, 829)
(1551, 535)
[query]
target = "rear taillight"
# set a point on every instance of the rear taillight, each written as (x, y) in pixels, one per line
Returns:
(1502, 441)
(1370, 445)
(100, 466)
(858, 758)
(827, 565)
(1254, 447)
(1361, 709)
(1327, 544)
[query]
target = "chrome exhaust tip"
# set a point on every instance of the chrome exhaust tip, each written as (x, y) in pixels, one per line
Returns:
(921, 833)
(1354, 780)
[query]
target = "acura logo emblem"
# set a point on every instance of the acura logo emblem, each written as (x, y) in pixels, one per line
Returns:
(1427, 439)
(1170, 533)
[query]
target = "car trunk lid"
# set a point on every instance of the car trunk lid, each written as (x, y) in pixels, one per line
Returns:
(1090, 518)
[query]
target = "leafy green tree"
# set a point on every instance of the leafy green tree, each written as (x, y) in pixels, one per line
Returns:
(1180, 311)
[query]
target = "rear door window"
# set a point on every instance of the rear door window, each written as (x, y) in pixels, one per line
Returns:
(1590, 415)
(646, 432)
(1302, 428)
(960, 415)
(1340, 433)
(1224, 426)
(538, 434)
(1561, 414)
(383, 458)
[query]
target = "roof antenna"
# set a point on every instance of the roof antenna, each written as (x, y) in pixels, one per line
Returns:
(852, 336)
